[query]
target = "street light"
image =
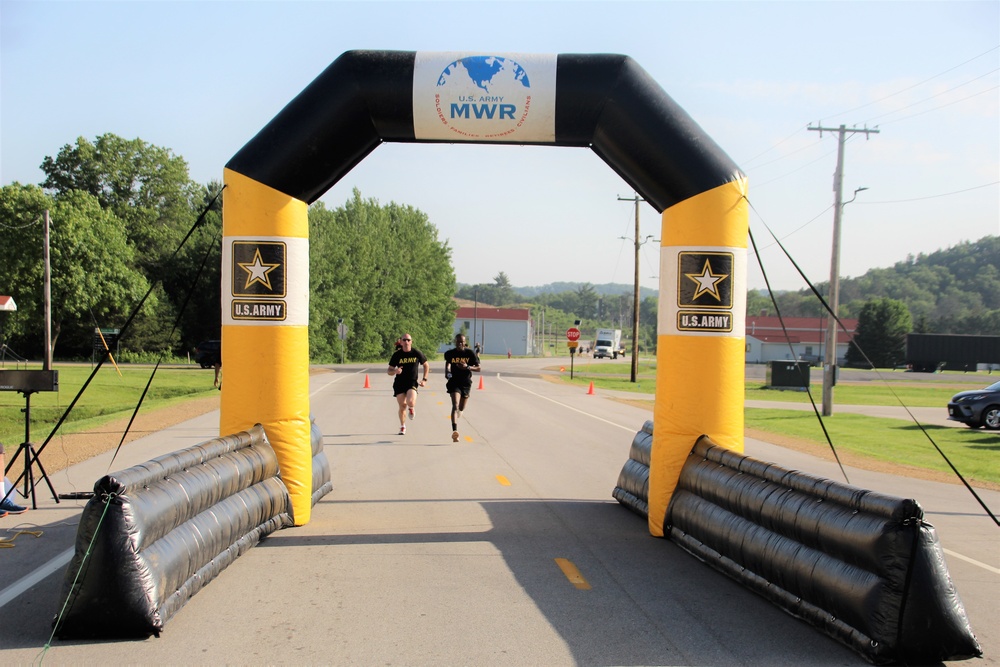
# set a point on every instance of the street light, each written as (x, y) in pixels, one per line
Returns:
(856, 191)
(830, 353)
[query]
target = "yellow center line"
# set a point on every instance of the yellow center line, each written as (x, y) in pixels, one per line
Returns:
(503, 480)
(573, 574)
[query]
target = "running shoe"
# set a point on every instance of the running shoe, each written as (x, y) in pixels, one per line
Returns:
(402, 430)
(454, 436)
(9, 507)
(412, 414)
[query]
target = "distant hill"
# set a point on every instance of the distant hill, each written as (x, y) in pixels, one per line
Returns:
(955, 290)
(606, 289)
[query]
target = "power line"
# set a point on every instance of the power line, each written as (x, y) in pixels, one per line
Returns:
(943, 194)
(919, 83)
(773, 146)
(921, 113)
(24, 226)
(789, 173)
(799, 228)
(882, 99)
(873, 203)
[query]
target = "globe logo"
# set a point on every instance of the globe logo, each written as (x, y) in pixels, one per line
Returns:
(483, 97)
(482, 70)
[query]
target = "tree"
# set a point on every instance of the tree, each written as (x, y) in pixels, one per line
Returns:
(93, 280)
(384, 271)
(758, 303)
(881, 334)
(483, 293)
(21, 211)
(504, 294)
(147, 187)
(586, 301)
(648, 312)
(192, 279)
(945, 291)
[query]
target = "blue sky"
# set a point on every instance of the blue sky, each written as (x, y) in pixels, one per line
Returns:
(202, 78)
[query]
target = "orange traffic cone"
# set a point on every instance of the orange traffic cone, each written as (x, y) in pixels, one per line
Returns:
(367, 383)
(591, 390)
(480, 381)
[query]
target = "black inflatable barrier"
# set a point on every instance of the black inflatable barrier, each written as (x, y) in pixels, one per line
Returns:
(158, 532)
(321, 483)
(862, 567)
(632, 490)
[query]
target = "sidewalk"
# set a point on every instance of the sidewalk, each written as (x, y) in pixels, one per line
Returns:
(926, 416)
(934, 416)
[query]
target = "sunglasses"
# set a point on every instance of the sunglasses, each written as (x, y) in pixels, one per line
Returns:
(407, 340)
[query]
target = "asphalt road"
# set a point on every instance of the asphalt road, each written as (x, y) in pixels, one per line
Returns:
(505, 548)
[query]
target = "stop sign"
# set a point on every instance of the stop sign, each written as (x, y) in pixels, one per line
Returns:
(572, 333)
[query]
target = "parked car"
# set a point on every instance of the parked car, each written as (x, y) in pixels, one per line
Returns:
(208, 353)
(978, 407)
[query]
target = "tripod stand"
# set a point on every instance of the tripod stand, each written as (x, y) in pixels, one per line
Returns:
(30, 457)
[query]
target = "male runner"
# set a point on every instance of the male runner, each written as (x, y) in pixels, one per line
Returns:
(405, 366)
(458, 366)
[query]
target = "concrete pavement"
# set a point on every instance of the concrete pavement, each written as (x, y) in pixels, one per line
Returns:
(429, 552)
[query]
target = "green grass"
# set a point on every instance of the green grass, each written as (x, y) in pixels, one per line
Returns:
(895, 390)
(604, 367)
(109, 396)
(915, 395)
(973, 452)
(611, 375)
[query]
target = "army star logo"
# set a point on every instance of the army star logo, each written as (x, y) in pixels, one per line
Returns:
(707, 281)
(704, 279)
(257, 271)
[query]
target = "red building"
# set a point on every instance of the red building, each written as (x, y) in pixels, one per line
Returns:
(802, 339)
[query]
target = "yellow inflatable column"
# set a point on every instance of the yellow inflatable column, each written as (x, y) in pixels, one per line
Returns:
(700, 335)
(265, 319)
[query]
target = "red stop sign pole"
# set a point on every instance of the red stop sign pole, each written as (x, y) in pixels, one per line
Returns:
(572, 334)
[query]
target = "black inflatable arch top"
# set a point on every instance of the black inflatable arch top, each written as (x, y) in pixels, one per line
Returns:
(605, 102)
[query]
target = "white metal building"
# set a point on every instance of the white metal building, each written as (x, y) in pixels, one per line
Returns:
(497, 330)
(802, 339)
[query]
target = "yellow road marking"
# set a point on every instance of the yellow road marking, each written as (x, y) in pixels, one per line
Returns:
(503, 480)
(572, 574)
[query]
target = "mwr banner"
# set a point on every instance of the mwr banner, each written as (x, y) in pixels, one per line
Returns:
(484, 97)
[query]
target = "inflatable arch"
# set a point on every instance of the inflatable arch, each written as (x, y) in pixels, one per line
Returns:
(605, 102)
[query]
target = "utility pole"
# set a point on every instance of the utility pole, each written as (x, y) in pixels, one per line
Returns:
(475, 319)
(830, 351)
(635, 294)
(47, 294)
(544, 351)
